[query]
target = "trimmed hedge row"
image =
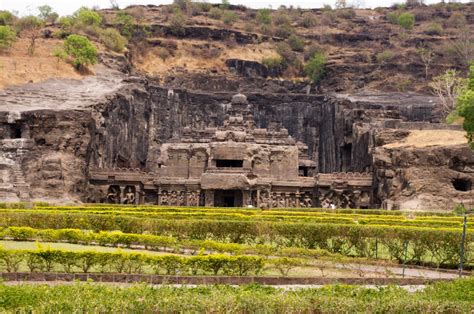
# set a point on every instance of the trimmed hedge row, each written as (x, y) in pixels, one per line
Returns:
(425, 244)
(152, 242)
(47, 260)
(451, 222)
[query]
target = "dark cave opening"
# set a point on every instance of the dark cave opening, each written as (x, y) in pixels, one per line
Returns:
(462, 184)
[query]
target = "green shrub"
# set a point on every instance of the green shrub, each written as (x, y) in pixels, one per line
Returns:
(215, 13)
(315, 68)
(286, 53)
(6, 17)
(434, 29)
(229, 17)
(81, 50)
(112, 39)
(177, 23)
(87, 17)
(311, 50)
(125, 21)
(346, 13)
(281, 18)
(7, 37)
(309, 20)
(392, 17)
(272, 62)
(285, 264)
(46, 14)
(457, 20)
(284, 31)
(264, 16)
(182, 4)
(384, 56)
(406, 20)
(225, 5)
(296, 43)
(204, 6)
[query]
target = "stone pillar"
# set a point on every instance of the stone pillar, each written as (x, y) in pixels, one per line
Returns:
(138, 195)
(258, 199)
(246, 198)
(122, 194)
(298, 198)
(209, 198)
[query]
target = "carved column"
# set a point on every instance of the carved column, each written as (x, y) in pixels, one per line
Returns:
(209, 198)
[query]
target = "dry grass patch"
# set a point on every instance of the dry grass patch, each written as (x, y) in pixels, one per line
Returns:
(201, 56)
(17, 68)
(425, 138)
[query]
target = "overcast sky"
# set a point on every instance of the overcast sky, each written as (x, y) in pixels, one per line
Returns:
(64, 7)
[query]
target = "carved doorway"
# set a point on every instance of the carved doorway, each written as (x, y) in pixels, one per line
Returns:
(228, 198)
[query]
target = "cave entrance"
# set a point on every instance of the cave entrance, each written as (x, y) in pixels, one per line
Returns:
(15, 131)
(228, 198)
(462, 184)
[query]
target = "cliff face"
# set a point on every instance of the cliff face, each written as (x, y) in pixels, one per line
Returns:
(52, 133)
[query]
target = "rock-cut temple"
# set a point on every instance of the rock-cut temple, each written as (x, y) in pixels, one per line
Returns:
(235, 165)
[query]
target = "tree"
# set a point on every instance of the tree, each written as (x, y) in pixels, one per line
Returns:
(6, 18)
(315, 67)
(264, 17)
(465, 107)
(463, 46)
(30, 27)
(7, 37)
(426, 56)
(448, 87)
(87, 17)
(82, 51)
(113, 40)
(46, 14)
(406, 20)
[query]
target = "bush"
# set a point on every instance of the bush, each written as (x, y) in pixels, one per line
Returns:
(125, 21)
(177, 23)
(296, 43)
(112, 39)
(284, 31)
(457, 20)
(346, 13)
(392, 17)
(309, 20)
(229, 17)
(163, 53)
(315, 67)
(311, 51)
(281, 18)
(215, 13)
(6, 18)
(272, 62)
(7, 37)
(87, 17)
(81, 50)
(434, 29)
(182, 4)
(406, 20)
(286, 53)
(264, 16)
(384, 56)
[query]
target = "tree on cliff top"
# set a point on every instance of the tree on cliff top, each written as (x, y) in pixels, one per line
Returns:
(81, 50)
(465, 107)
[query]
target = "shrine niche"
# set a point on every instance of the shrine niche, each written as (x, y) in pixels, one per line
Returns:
(235, 165)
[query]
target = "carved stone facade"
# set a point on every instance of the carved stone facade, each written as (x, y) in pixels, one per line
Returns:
(235, 165)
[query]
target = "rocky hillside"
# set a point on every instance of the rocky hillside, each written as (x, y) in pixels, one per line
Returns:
(350, 83)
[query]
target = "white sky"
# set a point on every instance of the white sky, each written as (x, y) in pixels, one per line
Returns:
(64, 7)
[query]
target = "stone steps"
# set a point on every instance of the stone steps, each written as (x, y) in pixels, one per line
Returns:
(19, 182)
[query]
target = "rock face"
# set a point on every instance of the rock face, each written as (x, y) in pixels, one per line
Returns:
(49, 146)
(424, 178)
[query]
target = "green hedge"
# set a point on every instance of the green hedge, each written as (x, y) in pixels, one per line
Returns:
(444, 297)
(70, 261)
(252, 215)
(151, 242)
(438, 245)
